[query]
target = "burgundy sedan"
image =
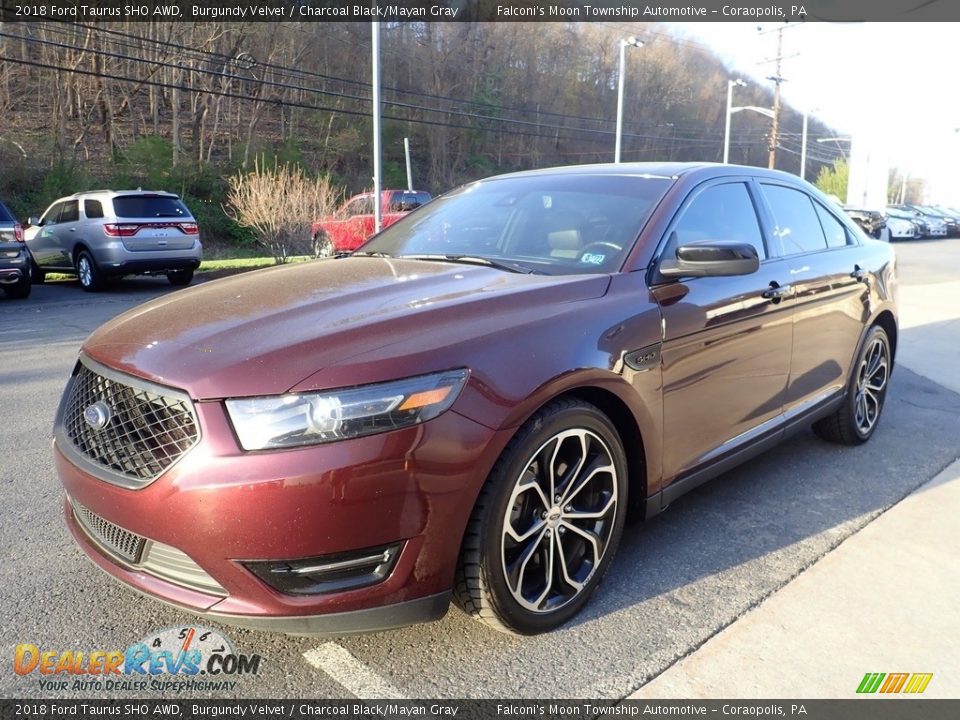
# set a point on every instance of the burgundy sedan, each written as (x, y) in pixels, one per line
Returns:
(469, 405)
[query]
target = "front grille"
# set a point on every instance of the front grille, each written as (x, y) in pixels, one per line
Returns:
(155, 558)
(114, 538)
(147, 428)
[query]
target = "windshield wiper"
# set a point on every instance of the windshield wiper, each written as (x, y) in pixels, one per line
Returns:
(508, 266)
(362, 254)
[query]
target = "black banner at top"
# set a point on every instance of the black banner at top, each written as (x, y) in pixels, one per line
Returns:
(478, 10)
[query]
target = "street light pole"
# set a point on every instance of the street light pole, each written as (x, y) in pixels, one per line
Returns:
(803, 148)
(623, 58)
(726, 132)
(377, 159)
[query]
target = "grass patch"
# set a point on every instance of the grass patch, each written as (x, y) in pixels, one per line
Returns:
(244, 263)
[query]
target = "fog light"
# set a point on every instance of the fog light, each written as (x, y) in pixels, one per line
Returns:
(328, 573)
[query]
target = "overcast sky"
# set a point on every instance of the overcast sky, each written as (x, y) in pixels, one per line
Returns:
(890, 83)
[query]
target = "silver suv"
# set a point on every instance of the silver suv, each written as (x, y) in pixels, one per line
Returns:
(106, 234)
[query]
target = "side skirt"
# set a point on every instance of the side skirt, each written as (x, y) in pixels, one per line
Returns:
(791, 423)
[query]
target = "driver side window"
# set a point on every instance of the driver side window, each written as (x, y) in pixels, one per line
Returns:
(719, 213)
(51, 215)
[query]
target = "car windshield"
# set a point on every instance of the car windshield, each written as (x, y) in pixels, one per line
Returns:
(5, 216)
(149, 206)
(552, 224)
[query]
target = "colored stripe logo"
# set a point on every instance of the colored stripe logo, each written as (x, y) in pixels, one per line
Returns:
(907, 683)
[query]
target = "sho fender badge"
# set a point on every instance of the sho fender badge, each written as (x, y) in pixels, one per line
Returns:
(645, 358)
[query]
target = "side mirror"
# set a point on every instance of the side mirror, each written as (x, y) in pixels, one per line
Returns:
(33, 221)
(712, 259)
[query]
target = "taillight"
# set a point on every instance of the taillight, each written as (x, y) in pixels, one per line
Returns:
(189, 228)
(18, 232)
(121, 229)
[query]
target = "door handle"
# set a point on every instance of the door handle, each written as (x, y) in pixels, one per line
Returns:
(776, 292)
(859, 274)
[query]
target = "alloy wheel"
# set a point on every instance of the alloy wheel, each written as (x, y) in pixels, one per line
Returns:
(871, 383)
(85, 271)
(559, 520)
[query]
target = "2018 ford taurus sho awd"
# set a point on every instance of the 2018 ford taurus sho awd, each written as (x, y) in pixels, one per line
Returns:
(469, 405)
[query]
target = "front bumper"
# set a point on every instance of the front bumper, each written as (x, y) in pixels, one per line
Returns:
(221, 506)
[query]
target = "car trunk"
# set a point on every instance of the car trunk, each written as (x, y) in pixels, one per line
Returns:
(151, 223)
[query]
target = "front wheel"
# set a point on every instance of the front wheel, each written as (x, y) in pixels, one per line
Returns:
(179, 278)
(322, 245)
(547, 523)
(855, 421)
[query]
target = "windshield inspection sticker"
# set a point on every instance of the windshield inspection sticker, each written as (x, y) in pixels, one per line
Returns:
(593, 258)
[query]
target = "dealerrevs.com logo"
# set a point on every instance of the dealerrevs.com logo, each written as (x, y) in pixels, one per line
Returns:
(177, 659)
(908, 683)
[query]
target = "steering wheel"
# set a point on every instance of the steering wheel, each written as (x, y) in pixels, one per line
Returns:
(600, 246)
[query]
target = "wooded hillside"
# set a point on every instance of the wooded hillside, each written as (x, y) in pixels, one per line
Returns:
(180, 106)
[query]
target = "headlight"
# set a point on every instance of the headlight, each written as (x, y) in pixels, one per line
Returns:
(311, 418)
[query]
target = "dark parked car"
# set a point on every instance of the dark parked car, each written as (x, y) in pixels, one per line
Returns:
(470, 403)
(14, 257)
(870, 221)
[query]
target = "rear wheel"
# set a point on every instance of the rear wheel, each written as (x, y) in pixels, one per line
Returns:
(180, 277)
(855, 421)
(91, 279)
(20, 289)
(547, 523)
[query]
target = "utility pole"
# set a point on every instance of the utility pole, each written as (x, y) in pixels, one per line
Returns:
(777, 79)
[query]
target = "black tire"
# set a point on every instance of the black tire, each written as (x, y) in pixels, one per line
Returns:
(37, 276)
(20, 290)
(179, 278)
(91, 279)
(483, 586)
(855, 421)
(322, 245)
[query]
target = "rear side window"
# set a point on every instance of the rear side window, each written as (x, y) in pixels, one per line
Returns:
(360, 206)
(92, 209)
(5, 215)
(149, 206)
(70, 212)
(797, 226)
(834, 230)
(406, 201)
(721, 212)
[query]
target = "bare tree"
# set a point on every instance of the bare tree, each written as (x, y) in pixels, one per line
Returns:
(280, 205)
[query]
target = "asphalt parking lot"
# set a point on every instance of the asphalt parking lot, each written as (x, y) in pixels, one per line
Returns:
(676, 581)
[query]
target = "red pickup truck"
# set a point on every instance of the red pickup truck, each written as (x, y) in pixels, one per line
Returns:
(350, 227)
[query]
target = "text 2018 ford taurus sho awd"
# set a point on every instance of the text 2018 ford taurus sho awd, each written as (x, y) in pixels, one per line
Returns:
(468, 406)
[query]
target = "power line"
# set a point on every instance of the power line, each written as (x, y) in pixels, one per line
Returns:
(540, 126)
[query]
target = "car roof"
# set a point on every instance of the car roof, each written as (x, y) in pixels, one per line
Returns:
(115, 193)
(672, 170)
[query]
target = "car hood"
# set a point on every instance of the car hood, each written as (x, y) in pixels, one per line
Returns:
(264, 332)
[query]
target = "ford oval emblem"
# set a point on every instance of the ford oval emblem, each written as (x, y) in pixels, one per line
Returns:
(98, 415)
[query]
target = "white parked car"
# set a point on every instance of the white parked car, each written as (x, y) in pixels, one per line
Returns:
(902, 229)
